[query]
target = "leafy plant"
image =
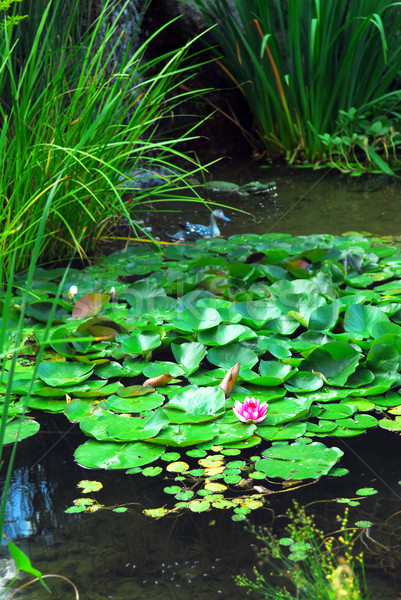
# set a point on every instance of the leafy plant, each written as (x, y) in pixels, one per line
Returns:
(303, 67)
(14, 424)
(159, 368)
(68, 116)
(307, 564)
(8, 21)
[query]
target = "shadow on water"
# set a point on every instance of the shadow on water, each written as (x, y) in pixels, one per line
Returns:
(131, 557)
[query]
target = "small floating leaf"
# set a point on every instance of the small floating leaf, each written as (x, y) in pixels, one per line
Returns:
(199, 505)
(156, 513)
(177, 467)
(89, 486)
(368, 491)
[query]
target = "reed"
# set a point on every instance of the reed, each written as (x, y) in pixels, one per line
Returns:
(302, 66)
(70, 113)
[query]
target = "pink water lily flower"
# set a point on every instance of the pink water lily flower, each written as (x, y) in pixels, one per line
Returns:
(251, 410)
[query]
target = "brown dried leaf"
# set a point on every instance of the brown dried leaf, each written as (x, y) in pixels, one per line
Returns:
(229, 379)
(159, 381)
(90, 305)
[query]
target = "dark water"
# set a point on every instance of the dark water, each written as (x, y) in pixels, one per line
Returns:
(305, 202)
(131, 557)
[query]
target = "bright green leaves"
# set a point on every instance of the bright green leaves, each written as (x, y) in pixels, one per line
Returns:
(189, 355)
(361, 319)
(197, 319)
(110, 455)
(196, 405)
(303, 334)
(186, 434)
(298, 460)
(59, 374)
(336, 361)
(229, 355)
(19, 429)
(141, 343)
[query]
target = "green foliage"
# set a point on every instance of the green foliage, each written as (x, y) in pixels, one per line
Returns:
(307, 73)
(9, 21)
(74, 121)
(23, 563)
(306, 564)
(320, 345)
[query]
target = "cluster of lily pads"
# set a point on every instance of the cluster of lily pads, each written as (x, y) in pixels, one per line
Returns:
(137, 357)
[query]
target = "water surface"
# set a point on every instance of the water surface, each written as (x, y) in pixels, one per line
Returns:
(131, 557)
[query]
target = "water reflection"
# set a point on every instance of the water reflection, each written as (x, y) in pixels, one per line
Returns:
(29, 500)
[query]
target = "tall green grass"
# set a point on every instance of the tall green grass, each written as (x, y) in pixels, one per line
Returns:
(70, 113)
(309, 70)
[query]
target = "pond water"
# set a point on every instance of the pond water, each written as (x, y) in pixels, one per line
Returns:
(305, 202)
(131, 557)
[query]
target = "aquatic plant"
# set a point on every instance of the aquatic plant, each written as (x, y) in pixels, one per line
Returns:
(302, 69)
(251, 410)
(72, 115)
(307, 564)
(156, 366)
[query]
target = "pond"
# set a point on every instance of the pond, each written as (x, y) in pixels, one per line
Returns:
(129, 556)
(304, 202)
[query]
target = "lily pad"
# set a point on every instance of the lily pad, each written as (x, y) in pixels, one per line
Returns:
(58, 374)
(19, 429)
(298, 460)
(196, 405)
(111, 455)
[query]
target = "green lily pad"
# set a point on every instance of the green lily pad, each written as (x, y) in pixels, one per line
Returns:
(322, 426)
(58, 374)
(336, 411)
(224, 334)
(335, 360)
(186, 434)
(160, 368)
(135, 405)
(303, 381)
(257, 312)
(288, 409)
(361, 318)
(360, 421)
(298, 460)
(391, 425)
(196, 405)
(197, 319)
(231, 354)
(233, 432)
(19, 429)
(189, 355)
(111, 455)
(289, 431)
(141, 343)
